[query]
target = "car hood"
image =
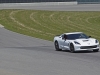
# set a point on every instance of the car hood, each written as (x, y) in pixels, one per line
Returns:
(86, 42)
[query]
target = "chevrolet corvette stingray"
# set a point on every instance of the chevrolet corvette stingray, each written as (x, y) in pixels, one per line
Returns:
(76, 41)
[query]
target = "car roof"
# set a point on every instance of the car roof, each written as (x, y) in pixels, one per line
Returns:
(73, 33)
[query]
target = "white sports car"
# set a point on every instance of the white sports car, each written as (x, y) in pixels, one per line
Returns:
(76, 41)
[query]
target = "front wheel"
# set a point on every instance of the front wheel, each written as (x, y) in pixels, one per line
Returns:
(72, 50)
(57, 46)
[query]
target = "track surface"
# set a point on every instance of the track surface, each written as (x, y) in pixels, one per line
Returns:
(24, 55)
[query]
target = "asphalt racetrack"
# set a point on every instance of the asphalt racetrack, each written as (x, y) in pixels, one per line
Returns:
(52, 6)
(24, 55)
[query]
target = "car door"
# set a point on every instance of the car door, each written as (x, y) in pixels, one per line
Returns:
(66, 44)
(63, 41)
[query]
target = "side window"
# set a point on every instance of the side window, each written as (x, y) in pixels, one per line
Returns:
(64, 36)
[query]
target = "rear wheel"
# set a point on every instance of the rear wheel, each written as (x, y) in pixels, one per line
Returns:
(57, 46)
(95, 50)
(72, 50)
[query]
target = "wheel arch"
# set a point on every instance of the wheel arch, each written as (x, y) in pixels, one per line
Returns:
(71, 43)
(58, 43)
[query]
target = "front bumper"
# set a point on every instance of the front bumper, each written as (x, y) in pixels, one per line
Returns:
(81, 48)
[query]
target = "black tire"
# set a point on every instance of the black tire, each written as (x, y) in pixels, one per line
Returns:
(96, 50)
(72, 49)
(57, 46)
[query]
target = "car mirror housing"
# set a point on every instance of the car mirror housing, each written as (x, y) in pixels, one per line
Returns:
(59, 36)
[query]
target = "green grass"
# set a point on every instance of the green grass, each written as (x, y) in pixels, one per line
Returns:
(47, 24)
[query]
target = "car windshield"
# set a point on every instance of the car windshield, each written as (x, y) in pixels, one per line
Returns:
(77, 36)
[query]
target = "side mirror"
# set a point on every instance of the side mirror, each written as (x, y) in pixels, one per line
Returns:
(64, 39)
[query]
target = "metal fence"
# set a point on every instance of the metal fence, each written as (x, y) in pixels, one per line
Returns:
(30, 1)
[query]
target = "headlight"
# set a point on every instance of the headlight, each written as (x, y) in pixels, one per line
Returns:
(77, 42)
(96, 41)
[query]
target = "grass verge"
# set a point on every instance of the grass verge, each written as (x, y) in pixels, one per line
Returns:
(47, 24)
